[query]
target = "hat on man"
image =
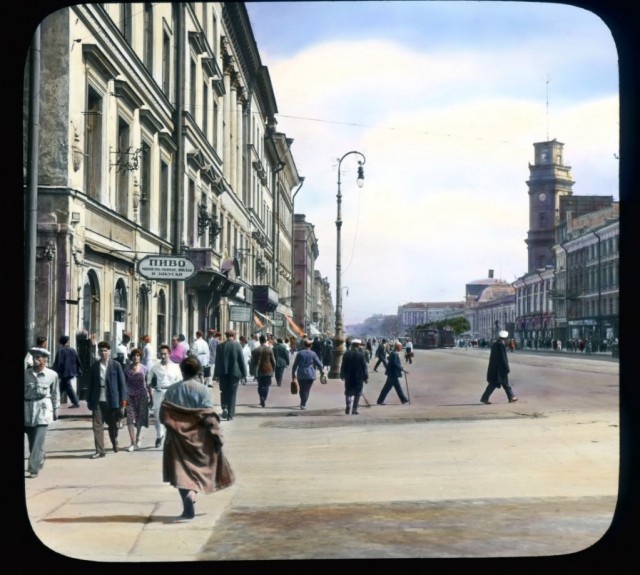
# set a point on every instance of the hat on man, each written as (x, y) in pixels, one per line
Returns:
(356, 342)
(503, 334)
(39, 351)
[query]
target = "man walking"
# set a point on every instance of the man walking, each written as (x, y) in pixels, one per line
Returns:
(394, 373)
(355, 374)
(264, 364)
(162, 375)
(41, 402)
(381, 355)
(106, 398)
(229, 368)
(498, 370)
(200, 349)
(281, 353)
(67, 365)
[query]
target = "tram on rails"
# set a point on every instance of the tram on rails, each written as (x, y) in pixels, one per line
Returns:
(431, 338)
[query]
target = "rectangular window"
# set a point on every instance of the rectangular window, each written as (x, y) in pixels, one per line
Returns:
(166, 64)
(191, 208)
(205, 109)
(147, 53)
(214, 134)
(192, 88)
(125, 20)
(163, 207)
(145, 187)
(122, 172)
(93, 145)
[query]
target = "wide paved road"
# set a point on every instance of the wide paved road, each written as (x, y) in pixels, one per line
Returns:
(444, 476)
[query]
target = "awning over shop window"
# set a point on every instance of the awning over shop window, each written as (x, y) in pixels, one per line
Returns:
(260, 320)
(295, 327)
(313, 330)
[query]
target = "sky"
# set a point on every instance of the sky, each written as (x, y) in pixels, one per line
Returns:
(444, 99)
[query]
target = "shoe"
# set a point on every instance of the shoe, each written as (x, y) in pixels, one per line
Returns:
(262, 402)
(302, 407)
(485, 401)
(381, 403)
(130, 448)
(32, 475)
(225, 414)
(97, 455)
(44, 458)
(158, 441)
(189, 511)
(347, 410)
(405, 401)
(279, 385)
(116, 448)
(513, 399)
(74, 406)
(375, 370)
(138, 444)
(354, 412)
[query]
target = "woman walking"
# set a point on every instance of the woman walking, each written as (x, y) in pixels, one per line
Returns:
(304, 371)
(139, 398)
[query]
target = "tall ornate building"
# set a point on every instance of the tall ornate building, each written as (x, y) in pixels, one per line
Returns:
(156, 135)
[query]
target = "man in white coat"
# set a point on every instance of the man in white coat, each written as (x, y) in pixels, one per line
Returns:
(160, 377)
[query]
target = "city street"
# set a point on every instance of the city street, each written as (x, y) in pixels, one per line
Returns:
(444, 476)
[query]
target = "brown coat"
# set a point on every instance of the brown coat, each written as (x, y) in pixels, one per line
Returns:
(192, 457)
(263, 359)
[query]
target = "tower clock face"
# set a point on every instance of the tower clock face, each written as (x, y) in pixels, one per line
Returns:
(542, 196)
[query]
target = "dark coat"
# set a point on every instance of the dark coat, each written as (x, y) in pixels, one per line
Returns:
(115, 385)
(498, 370)
(394, 365)
(230, 360)
(67, 363)
(281, 353)
(354, 371)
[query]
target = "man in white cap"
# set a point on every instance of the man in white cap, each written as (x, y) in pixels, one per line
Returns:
(355, 374)
(498, 370)
(41, 403)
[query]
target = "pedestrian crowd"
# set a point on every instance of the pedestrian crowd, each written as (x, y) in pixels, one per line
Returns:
(175, 386)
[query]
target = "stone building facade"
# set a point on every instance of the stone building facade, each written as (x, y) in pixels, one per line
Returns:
(157, 135)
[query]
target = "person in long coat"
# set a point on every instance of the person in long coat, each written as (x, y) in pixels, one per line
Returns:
(192, 457)
(394, 372)
(264, 365)
(355, 374)
(68, 366)
(498, 370)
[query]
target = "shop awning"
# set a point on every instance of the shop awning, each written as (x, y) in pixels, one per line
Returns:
(295, 327)
(261, 321)
(313, 330)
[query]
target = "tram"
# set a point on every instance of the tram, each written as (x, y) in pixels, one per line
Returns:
(431, 338)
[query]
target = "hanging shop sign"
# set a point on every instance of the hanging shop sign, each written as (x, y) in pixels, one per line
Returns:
(239, 313)
(166, 268)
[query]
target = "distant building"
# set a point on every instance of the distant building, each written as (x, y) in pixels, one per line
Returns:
(411, 315)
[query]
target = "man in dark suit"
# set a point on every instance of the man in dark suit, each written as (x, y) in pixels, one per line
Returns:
(106, 398)
(281, 353)
(67, 365)
(498, 370)
(355, 374)
(229, 368)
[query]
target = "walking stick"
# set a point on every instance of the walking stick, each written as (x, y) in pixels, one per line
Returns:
(407, 384)
(365, 400)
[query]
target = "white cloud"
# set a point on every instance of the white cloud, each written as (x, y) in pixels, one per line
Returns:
(447, 138)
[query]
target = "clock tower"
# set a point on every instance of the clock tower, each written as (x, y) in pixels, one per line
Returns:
(548, 180)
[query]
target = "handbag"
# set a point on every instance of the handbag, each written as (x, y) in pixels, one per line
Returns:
(323, 378)
(294, 387)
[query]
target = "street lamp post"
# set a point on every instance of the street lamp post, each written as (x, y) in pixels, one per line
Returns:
(338, 347)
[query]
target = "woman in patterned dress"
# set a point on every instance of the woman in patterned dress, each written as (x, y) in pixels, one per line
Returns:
(139, 398)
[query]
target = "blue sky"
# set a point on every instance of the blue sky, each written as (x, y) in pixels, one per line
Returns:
(445, 100)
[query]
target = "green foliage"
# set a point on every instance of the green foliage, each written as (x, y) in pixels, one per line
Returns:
(458, 324)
